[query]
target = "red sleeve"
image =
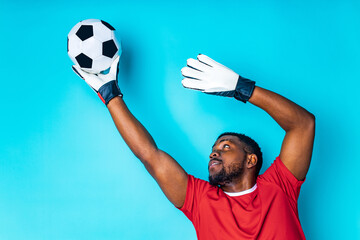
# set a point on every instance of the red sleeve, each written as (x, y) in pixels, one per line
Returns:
(196, 188)
(280, 175)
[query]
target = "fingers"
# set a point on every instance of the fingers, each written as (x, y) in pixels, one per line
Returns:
(76, 71)
(114, 66)
(191, 73)
(85, 76)
(206, 60)
(194, 84)
(198, 65)
(79, 71)
(195, 72)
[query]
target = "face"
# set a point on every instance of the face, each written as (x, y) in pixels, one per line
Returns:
(227, 160)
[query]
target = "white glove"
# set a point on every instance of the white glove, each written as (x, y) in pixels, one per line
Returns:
(105, 85)
(211, 77)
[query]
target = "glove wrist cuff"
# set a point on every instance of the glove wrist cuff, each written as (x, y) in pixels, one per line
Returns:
(244, 89)
(108, 91)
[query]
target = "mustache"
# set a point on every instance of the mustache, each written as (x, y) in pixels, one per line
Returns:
(216, 159)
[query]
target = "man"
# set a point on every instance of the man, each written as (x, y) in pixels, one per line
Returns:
(236, 203)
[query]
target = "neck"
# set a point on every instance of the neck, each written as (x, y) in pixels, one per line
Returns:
(243, 183)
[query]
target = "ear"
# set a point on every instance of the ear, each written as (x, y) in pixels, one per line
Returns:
(251, 160)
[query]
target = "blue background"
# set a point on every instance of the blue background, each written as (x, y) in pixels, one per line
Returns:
(65, 172)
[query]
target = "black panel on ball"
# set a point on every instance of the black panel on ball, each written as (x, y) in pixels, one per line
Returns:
(85, 32)
(84, 61)
(109, 48)
(108, 25)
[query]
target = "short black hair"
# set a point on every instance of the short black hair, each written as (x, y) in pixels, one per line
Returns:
(251, 147)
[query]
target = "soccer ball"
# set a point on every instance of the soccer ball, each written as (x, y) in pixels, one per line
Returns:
(91, 44)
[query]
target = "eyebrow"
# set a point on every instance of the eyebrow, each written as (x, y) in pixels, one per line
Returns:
(223, 140)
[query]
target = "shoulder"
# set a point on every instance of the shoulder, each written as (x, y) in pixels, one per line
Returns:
(278, 171)
(277, 175)
(199, 185)
(197, 191)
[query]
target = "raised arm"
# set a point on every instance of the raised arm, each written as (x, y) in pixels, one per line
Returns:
(211, 77)
(170, 176)
(299, 125)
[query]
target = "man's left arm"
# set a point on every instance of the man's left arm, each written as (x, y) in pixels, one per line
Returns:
(299, 125)
(206, 75)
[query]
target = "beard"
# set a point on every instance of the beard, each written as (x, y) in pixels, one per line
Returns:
(234, 171)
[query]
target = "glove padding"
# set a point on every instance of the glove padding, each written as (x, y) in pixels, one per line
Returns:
(209, 76)
(105, 85)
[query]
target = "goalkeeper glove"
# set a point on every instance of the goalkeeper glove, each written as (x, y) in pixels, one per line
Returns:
(105, 85)
(209, 76)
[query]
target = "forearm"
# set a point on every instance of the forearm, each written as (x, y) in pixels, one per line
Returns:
(286, 113)
(132, 131)
(170, 176)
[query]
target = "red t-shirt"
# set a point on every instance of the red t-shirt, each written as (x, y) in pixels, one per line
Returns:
(266, 211)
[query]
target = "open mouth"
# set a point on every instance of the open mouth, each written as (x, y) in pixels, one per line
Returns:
(214, 162)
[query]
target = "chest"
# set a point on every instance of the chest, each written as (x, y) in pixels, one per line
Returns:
(243, 216)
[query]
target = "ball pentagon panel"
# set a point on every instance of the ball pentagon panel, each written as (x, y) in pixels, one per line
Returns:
(84, 61)
(85, 32)
(109, 48)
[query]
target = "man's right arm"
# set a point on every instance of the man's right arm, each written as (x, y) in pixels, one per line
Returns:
(170, 176)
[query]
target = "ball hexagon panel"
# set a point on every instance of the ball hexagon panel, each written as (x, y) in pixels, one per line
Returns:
(89, 21)
(92, 48)
(102, 63)
(74, 30)
(74, 47)
(101, 32)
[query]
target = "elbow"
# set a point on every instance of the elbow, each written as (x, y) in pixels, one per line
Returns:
(308, 122)
(311, 119)
(151, 162)
(146, 156)
(303, 122)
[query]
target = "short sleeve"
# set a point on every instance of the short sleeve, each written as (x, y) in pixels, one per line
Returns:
(280, 175)
(196, 188)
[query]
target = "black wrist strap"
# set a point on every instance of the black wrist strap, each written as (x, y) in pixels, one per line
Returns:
(244, 89)
(108, 91)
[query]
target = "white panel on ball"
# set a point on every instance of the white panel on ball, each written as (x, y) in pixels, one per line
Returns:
(74, 47)
(92, 47)
(102, 33)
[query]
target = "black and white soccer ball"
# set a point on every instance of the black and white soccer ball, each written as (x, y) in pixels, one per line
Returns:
(92, 45)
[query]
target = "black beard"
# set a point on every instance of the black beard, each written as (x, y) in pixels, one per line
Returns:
(222, 177)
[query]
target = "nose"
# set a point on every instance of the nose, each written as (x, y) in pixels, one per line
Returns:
(214, 154)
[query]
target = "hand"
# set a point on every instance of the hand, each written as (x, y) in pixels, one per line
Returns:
(105, 85)
(209, 76)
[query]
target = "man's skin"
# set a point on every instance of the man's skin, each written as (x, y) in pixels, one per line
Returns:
(296, 149)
